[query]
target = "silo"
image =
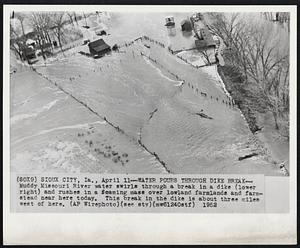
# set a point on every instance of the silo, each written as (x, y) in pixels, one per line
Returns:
(170, 24)
(171, 30)
(170, 20)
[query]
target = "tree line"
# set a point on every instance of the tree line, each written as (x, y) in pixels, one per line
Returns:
(47, 28)
(259, 50)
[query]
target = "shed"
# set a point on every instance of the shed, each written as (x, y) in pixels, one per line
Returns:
(186, 25)
(100, 29)
(99, 47)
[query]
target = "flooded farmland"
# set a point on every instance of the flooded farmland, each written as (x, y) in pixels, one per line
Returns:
(136, 110)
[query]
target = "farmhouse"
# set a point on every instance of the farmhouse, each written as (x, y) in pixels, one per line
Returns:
(28, 52)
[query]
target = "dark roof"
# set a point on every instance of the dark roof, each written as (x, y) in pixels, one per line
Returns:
(31, 35)
(184, 22)
(98, 45)
(170, 24)
(200, 43)
(204, 43)
(28, 51)
(186, 25)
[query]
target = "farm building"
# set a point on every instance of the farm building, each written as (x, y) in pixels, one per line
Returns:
(99, 47)
(31, 42)
(170, 24)
(100, 29)
(205, 39)
(197, 17)
(169, 21)
(205, 35)
(186, 25)
(29, 53)
(203, 44)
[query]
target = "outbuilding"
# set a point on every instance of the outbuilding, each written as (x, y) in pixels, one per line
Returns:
(186, 25)
(99, 47)
(203, 44)
(205, 39)
(169, 21)
(28, 53)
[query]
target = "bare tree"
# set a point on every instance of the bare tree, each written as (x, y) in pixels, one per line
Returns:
(75, 18)
(206, 56)
(260, 56)
(21, 17)
(16, 42)
(227, 27)
(57, 19)
(266, 66)
(70, 15)
(41, 23)
(280, 17)
(85, 19)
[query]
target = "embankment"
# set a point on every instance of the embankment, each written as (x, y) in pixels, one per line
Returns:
(233, 82)
(256, 116)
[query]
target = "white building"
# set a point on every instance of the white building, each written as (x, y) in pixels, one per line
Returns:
(169, 20)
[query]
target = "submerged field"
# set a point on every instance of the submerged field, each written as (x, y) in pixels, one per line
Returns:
(124, 113)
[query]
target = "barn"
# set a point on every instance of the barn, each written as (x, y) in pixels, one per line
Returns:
(99, 47)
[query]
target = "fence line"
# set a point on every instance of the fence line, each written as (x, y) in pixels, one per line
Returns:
(229, 102)
(117, 128)
(173, 52)
(162, 45)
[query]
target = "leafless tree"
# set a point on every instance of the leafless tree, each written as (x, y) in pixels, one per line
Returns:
(21, 17)
(70, 15)
(75, 18)
(206, 56)
(16, 42)
(85, 19)
(41, 23)
(227, 27)
(260, 56)
(267, 66)
(280, 17)
(57, 20)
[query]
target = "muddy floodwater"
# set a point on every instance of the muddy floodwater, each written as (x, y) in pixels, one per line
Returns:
(139, 110)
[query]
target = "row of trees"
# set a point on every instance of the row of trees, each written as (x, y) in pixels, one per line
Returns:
(46, 27)
(280, 17)
(260, 51)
